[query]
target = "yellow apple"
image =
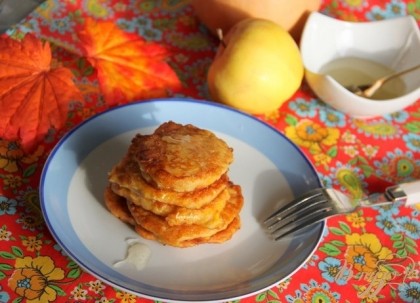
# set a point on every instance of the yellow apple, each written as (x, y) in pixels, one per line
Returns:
(257, 67)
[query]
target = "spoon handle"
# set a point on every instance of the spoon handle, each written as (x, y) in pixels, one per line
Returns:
(381, 81)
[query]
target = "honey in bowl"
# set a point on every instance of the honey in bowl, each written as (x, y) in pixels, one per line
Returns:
(350, 71)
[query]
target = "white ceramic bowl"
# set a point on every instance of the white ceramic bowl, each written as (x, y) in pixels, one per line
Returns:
(394, 43)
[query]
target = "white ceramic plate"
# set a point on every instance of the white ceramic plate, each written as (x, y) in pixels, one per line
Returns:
(269, 168)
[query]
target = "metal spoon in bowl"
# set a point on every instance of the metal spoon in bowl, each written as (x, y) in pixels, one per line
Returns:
(367, 90)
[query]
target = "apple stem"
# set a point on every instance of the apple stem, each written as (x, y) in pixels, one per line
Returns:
(219, 32)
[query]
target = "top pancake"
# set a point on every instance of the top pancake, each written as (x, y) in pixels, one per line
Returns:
(181, 158)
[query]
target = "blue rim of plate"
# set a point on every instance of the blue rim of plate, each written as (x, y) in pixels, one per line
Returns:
(198, 112)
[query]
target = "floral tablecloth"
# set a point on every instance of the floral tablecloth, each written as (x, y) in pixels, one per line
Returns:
(367, 256)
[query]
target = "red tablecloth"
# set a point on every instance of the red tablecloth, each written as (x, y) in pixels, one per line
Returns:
(368, 256)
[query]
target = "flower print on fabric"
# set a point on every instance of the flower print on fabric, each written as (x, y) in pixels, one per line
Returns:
(333, 270)
(349, 178)
(32, 243)
(12, 157)
(62, 25)
(365, 251)
(355, 4)
(402, 166)
(314, 292)
(4, 296)
(321, 141)
(29, 198)
(400, 116)
(142, 26)
(7, 206)
(377, 129)
(303, 108)
(5, 235)
(357, 219)
(410, 226)
(96, 286)
(394, 8)
(78, 293)
(409, 292)
(33, 279)
(387, 223)
(312, 135)
(97, 9)
(332, 118)
(126, 297)
(412, 141)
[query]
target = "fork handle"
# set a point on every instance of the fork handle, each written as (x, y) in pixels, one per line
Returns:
(408, 192)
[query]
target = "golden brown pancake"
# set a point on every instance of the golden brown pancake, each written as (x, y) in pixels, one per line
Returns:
(219, 237)
(131, 185)
(154, 206)
(176, 235)
(208, 215)
(173, 187)
(181, 158)
(118, 206)
(223, 235)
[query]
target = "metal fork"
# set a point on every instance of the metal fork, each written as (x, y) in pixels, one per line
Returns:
(321, 203)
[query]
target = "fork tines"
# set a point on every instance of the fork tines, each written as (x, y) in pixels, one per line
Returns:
(305, 210)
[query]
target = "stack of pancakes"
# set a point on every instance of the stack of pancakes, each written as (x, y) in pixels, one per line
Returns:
(173, 187)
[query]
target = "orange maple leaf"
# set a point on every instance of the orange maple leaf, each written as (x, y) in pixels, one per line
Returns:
(33, 95)
(128, 67)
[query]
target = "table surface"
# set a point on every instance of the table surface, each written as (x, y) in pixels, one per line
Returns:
(378, 246)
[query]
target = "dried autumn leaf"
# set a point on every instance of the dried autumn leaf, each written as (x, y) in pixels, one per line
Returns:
(33, 95)
(128, 67)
